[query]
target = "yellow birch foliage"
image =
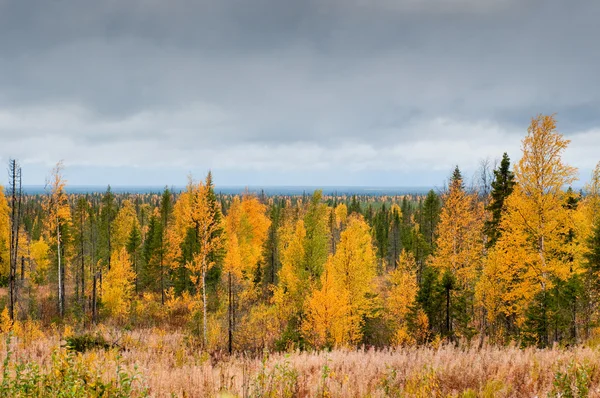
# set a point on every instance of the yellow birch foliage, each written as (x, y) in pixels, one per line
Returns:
(202, 218)
(206, 221)
(531, 249)
(459, 244)
(182, 222)
(118, 286)
(40, 254)
(247, 225)
(123, 224)
(233, 258)
(329, 317)
(494, 290)
(349, 275)
(341, 215)
(401, 296)
(56, 204)
(293, 286)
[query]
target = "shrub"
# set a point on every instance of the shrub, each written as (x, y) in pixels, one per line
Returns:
(68, 375)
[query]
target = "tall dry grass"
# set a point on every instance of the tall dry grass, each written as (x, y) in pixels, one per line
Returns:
(171, 365)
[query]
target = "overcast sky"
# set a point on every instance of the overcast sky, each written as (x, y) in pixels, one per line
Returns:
(291, 92)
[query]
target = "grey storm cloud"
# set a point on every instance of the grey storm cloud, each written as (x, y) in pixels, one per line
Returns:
(256, 79)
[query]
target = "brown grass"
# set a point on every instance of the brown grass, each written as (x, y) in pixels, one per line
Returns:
(170, 365)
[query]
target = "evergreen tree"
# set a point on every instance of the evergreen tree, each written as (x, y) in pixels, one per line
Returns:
(592, 264)
(80, 219)
(395, 235)
(430, 217)
(354, 206)
(431, 297)
(166, 208)
(150, 277)
(380, 229)
(502, 187)
(107, 215)
(457, 179)
(271, 252)
(217, 254)
(134, 243)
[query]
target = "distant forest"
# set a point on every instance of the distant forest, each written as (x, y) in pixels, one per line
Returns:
(510, 255)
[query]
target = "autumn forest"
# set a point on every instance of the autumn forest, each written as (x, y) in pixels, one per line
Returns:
(187, 281)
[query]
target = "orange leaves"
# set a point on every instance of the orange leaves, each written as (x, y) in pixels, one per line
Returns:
(459, 244)
(247, 226)
(335, 312)
(401, 296)
(329, 317)
(402, 287)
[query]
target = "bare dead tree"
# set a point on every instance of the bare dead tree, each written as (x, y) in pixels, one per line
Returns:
(484, 178)
(15, 188)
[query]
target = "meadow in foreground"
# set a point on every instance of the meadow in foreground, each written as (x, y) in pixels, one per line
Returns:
(156, 363)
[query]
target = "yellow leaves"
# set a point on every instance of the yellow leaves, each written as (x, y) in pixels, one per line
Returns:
(118, 285)
(540, 171)
(422, 332)
(329, 318)
(535, 247)
(40, 254)
(341, 215)
(291, 246)
(233, 258)
(25, 331)
(335, 312)
(6, 323)
(395, 210)
(258, 328)
(68, 331)
(203, 219)
(402, 293)
(64, 213)
(123, 224)
(354, 264)
(56, 203)
(247, 225)
(291, 291)
(459, 244)
(496, 289)
(402, 337)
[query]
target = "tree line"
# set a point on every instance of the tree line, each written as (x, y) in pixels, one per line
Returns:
(512, 256)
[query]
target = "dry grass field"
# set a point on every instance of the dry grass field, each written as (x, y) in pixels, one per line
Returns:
(157, 363)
